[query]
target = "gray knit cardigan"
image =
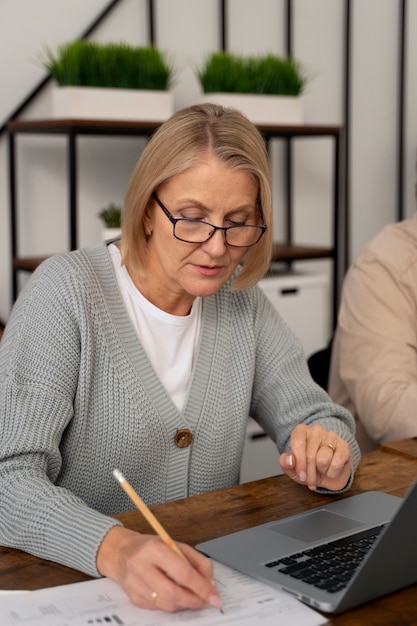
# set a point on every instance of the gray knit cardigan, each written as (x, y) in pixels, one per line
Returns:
(79, 397)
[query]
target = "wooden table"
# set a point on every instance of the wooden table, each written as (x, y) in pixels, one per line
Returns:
(199, 518)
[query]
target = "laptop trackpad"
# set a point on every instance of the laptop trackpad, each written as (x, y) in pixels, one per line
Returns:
(315, 526)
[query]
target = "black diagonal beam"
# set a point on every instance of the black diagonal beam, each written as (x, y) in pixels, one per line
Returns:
(32, 95)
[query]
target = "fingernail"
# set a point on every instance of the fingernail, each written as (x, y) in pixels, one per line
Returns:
(215, 601)
(302, 477)
(290, 460)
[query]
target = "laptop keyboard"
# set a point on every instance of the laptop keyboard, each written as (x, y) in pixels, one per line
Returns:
(331, 565)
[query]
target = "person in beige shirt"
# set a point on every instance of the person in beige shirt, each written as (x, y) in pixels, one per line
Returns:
(373, 370)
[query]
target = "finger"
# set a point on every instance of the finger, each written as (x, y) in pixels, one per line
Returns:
(325, 456)
(203, 585)
(204, 566)
(200, 562)
(334, 463)
(298, 446)
(324, 460)
(169, 595)
(340, 457)
(313, 438)
(330, 453)
(339, 482)
(287, 464)
(302, 469)
(163, 593)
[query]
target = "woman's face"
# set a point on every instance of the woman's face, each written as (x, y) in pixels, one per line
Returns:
(179, 271)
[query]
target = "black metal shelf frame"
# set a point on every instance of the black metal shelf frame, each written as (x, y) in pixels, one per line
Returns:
(73, 129)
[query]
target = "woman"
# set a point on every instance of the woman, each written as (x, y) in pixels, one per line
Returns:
(148, 355)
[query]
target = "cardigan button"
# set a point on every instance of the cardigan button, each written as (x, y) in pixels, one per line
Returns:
(183, 438)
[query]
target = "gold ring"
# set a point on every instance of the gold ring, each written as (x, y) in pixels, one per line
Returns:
(154, 596)
(330, 445)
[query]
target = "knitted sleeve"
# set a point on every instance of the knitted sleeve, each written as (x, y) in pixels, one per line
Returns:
(39, 360)
(284, 393)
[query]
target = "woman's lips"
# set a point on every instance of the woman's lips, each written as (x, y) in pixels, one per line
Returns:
(206, 270)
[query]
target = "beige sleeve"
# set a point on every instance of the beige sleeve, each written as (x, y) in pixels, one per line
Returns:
(374, 362)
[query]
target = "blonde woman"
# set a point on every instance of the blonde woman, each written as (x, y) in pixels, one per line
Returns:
(148, 354)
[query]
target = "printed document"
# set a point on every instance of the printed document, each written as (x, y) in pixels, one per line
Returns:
(102, 602)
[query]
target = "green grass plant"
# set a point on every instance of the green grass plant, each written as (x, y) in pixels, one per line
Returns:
(115, 65)
(269, 74)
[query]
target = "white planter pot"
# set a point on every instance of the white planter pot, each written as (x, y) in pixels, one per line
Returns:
(260, 109)
(100, 103)
(110, 233)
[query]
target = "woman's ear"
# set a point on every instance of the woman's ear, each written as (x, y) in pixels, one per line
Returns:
(147, 222)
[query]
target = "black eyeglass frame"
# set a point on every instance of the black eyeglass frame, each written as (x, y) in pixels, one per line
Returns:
(174, 220)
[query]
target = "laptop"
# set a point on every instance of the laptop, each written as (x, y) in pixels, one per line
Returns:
(334, 557)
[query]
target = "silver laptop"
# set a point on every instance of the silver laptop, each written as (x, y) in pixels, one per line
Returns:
(333, 557)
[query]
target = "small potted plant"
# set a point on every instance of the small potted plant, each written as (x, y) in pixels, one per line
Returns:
(109, 81)
(111, 216)
(266, 88)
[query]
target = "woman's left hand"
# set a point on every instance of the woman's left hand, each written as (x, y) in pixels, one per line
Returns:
(318, 458)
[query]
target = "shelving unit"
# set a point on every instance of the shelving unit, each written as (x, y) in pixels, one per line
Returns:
(71, 129)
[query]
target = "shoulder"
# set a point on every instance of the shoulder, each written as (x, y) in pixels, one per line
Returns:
(394, 247)
(385, 272)
(82, 258)
(78, 265)
(65, 281)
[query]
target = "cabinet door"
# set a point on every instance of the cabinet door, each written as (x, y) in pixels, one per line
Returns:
(303, 300)
(260, 455)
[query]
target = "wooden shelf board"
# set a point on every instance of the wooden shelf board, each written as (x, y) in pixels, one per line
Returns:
(281, 252)
(28, 264)
(88, 126)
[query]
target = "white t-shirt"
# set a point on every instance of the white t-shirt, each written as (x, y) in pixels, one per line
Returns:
(169, 340)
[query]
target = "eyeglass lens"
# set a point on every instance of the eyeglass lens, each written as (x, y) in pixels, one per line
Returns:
(199, 232)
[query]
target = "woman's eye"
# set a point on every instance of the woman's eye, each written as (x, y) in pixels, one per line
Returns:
(237, 222)
(190, 214)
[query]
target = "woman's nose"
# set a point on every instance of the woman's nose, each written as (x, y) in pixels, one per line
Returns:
(216, 244)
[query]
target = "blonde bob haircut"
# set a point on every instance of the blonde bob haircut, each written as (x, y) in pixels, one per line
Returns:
(178, 144)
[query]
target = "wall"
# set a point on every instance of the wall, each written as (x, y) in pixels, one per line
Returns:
(187, 30)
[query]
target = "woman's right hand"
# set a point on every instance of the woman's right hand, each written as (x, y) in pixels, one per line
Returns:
(153, 576)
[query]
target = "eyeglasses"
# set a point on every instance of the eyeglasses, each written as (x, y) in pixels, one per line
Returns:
(193, 230)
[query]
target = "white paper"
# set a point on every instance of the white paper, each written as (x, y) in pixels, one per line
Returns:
(245, 602)
(9, 592)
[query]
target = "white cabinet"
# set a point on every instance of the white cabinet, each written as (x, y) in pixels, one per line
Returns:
(260, 455)
(303, 300)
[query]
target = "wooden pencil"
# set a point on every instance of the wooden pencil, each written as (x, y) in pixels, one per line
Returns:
(147, 513)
